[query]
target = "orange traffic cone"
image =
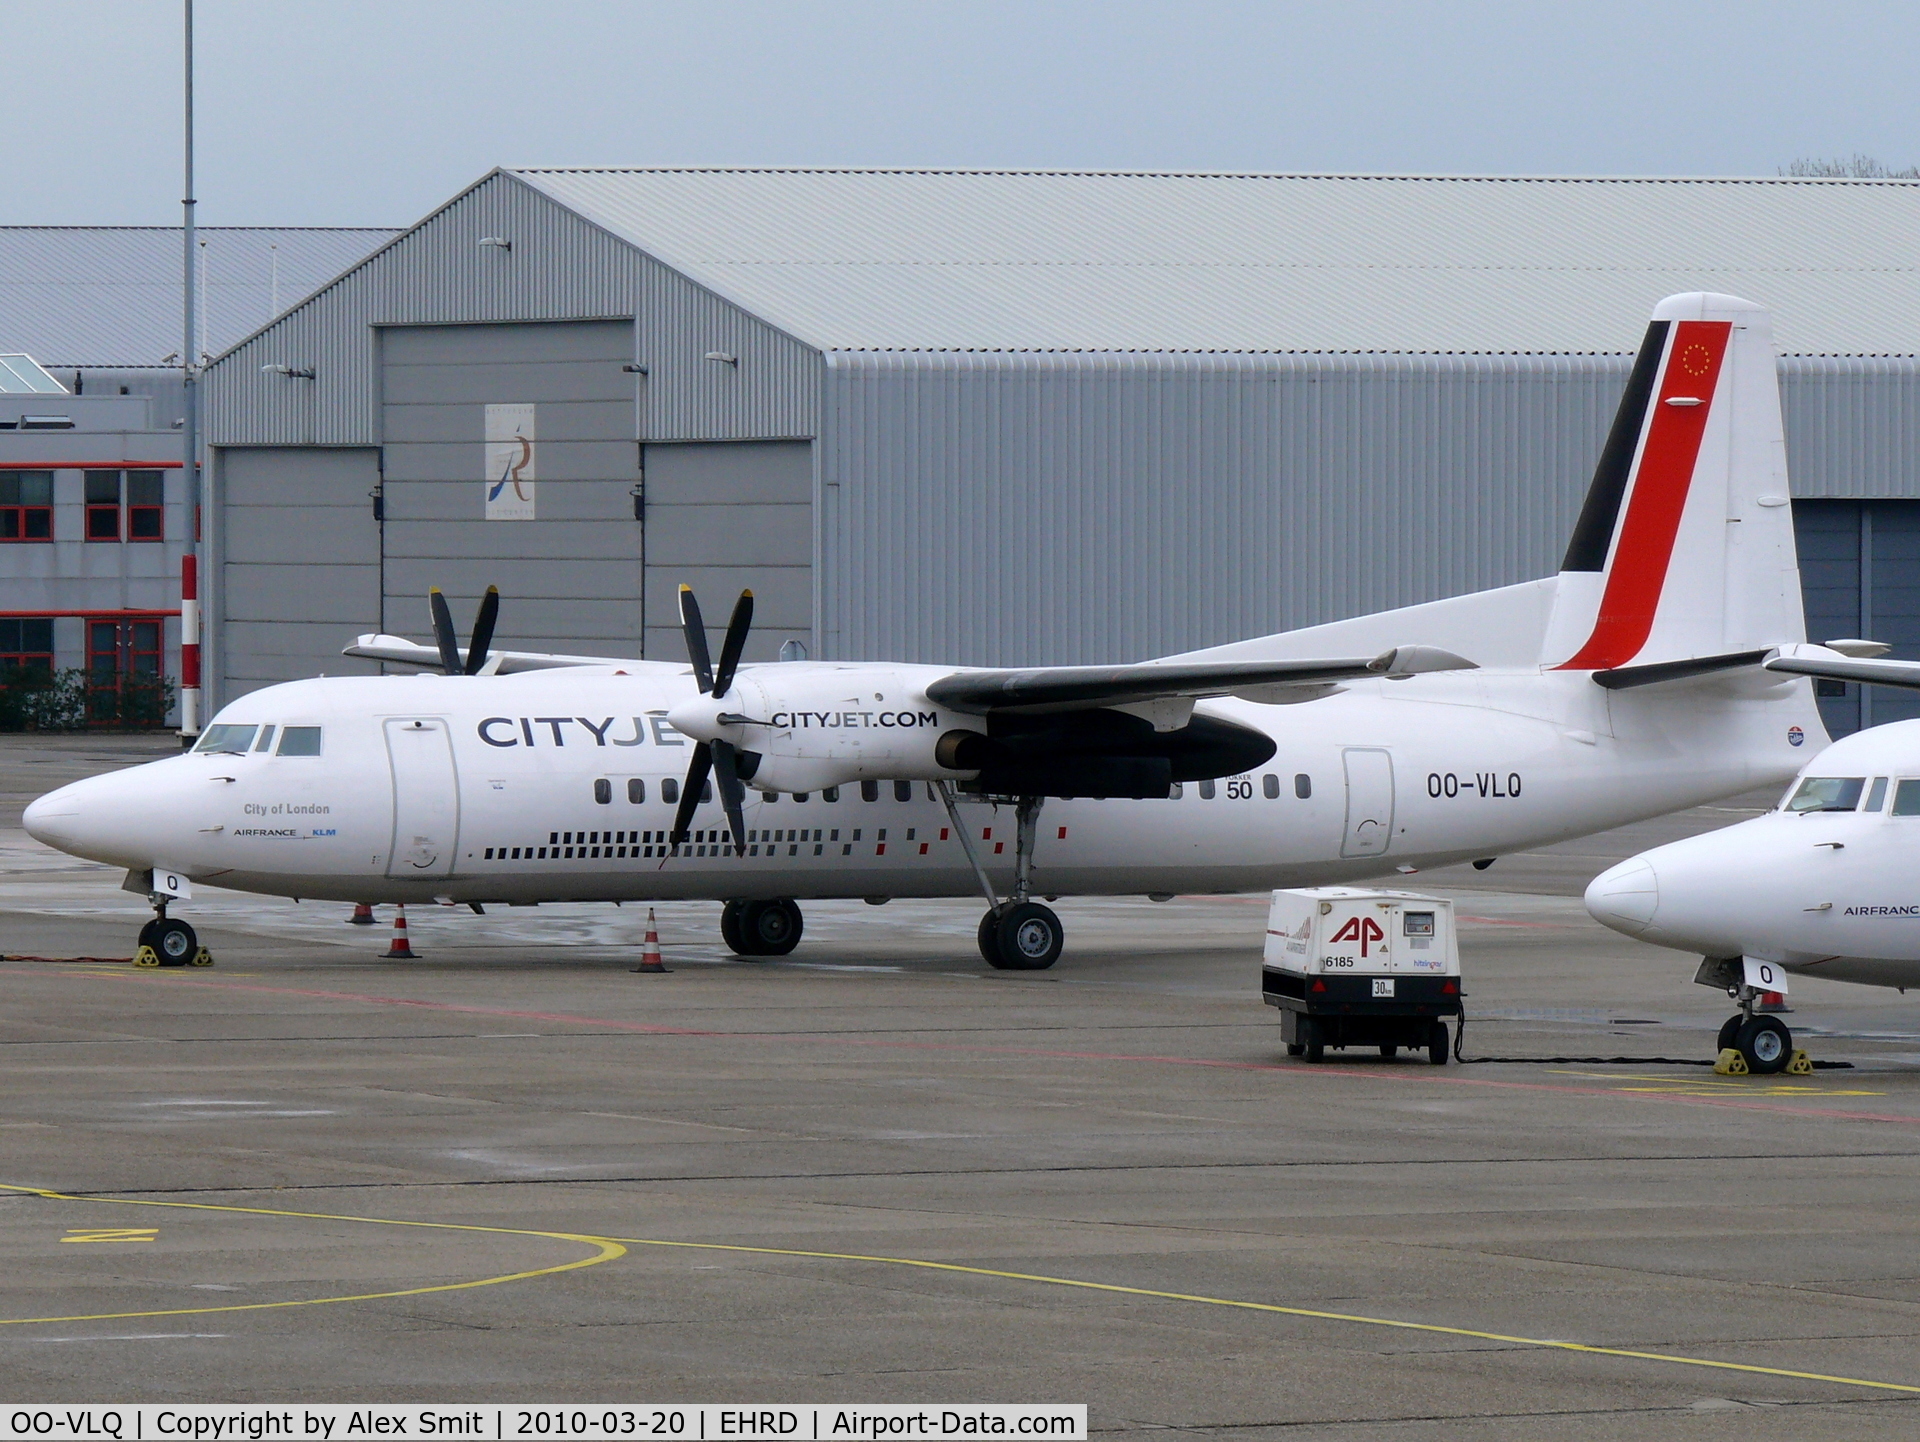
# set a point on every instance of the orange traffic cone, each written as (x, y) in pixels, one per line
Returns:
(400, 950)
(650, 961)
(362, 915)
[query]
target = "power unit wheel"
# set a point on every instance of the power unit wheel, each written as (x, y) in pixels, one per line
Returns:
(1766, 1044)
(174, 942)
(1294, 1048)
(770, 928)
(730, 929)
(989, 939)
(1437, 1044)
(1310, 1040)
(1389, 1052)
(1729, 1029)
(1029, 937)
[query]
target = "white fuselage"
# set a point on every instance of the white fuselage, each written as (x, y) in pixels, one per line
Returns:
(1830, 890)
(517, 789)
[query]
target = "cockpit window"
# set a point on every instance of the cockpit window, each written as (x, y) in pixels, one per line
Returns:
(265, 743)
(1906, 798)
(227, 739)
(300, 741)
(1876, 793)
(1827, 793)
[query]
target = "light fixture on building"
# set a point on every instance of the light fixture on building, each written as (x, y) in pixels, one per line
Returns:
(291, 372)
(498, 241)
(724, 357)
(634, 369)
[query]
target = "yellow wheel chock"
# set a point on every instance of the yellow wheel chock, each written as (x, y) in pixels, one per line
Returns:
(1731, 1063)
(1801, 1065)
(146, 956)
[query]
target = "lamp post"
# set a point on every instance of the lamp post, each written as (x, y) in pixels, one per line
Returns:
(190, 441)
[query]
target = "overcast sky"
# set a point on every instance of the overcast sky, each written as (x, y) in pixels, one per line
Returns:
(331, 112)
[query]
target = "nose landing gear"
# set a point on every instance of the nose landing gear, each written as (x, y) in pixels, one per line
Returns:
(169, 941)
(1018, 934)
(761, 928)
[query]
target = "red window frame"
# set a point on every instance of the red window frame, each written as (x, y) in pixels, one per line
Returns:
(16, 654)
(22, 520)
(146, 495)
(103, 510)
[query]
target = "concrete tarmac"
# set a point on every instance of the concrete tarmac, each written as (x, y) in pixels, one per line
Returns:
(878, 1171)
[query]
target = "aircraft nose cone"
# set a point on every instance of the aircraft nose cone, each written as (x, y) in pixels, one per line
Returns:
(1625, 897)
(54, 819)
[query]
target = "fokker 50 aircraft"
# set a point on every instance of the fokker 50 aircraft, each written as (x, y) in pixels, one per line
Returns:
(1822, 886)
(1628, 685)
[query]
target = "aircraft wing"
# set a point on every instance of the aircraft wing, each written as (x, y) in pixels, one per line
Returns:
(411, 653)
(1079, 688)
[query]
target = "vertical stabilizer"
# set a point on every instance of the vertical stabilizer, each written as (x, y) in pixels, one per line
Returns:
(1684, 547)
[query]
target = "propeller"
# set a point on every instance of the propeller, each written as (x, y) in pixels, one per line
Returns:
(483, 621)
(720, 758)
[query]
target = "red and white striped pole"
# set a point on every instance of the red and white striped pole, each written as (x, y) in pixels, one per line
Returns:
(189, 645)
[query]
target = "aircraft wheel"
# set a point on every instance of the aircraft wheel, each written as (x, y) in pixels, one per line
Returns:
(1311, 1043)
(147, 931)
(174, 942)
(1729, 1029)
(989, 939)
(770, 928)
(1437, 1044)
(1029, 936)
(1766, 1044)
(731, 931)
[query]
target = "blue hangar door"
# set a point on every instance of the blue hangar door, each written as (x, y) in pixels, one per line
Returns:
(1860, 574)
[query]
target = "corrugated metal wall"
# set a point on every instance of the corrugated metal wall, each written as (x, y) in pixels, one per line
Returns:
(559, 267)
(1061, 509)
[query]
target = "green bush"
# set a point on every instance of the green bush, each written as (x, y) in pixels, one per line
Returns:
(37, 699)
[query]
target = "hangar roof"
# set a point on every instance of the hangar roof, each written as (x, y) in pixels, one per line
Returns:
(110, 295)
(1058, 260)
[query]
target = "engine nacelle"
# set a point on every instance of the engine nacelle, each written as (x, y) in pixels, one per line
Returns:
(804, 726)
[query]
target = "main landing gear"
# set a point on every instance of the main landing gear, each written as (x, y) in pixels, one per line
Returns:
(1018, 934)
(169, 941)
(761, 928)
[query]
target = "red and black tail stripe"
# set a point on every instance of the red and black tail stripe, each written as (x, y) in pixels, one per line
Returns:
(1657, 499)
(1593, 535)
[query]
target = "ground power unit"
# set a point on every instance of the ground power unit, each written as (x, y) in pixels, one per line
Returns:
(1354, 967)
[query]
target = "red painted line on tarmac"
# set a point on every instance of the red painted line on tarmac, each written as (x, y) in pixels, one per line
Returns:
(1304, 1072)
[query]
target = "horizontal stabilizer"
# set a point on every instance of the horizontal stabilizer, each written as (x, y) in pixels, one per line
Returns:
(1867, 673)
(399, 650)
(1623, 678)
(1076, 688)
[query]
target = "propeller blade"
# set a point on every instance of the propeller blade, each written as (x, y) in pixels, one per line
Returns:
(483, 630)
(443, 632)
(696, 630)
(736, 641)
(690, 790)
(732, 793)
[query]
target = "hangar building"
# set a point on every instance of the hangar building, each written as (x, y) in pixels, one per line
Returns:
(1007, 418)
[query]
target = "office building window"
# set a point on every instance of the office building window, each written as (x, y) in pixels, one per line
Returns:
(26, 643)
(26, 506)
(103, 505)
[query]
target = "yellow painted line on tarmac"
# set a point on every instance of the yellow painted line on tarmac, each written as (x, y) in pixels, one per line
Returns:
(606, 1249)
(1673, 1358)
(1698, 1086)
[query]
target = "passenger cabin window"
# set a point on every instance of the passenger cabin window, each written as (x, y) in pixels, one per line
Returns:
(1206, 790)
(670, 791)
(869, 790)
(637, 791)
(1270, 786)
(1906, 798)
(1303, 786)
(602, 791)
(227, 739)
(1828, 793)
(1876, 793)
(299, 741)
(903, 791)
